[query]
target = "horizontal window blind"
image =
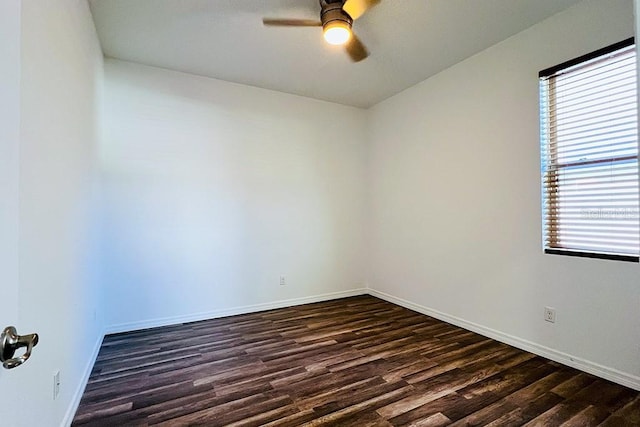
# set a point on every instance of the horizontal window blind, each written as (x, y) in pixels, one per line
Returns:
(589, 148)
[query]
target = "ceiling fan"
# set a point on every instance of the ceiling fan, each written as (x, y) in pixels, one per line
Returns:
(336, 20)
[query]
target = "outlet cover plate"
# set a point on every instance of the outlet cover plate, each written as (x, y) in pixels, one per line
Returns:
(550, 314)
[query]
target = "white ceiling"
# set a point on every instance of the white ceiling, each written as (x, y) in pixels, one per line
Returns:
(409, 40)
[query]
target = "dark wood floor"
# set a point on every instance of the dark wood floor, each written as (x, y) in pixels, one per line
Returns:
(357, 361)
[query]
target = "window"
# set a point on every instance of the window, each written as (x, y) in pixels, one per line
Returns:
(589, 151)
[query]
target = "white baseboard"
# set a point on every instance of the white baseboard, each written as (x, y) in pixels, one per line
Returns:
(77, 396)
(605, 372)
(166, 321)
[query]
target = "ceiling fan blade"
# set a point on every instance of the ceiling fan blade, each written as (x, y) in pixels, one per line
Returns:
(356, 8)
(356, 49)
(291, 22)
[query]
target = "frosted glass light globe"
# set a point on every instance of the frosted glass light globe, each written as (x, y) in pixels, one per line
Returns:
(337, 34)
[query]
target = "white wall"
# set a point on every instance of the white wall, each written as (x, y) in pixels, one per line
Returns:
(455, 224)
(60, 83)
(212, 190)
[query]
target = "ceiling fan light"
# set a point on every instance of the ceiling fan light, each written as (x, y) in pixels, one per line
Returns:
(337, 33)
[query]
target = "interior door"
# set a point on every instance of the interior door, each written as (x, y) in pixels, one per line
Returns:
(9, 197)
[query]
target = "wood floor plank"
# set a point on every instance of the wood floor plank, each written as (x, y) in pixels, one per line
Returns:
(629, 415)
(356, 361)
(591, 416)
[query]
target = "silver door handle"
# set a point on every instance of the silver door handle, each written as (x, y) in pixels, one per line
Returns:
(10, 341)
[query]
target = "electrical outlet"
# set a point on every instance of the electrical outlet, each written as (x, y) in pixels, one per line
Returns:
(56, 384)
(550, 314)
(282, 281)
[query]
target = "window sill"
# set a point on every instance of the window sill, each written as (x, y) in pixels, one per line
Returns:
(612, 257)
